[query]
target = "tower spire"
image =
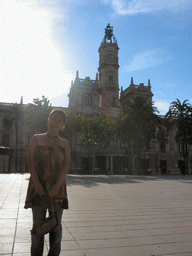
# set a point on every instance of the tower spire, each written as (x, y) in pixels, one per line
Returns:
(77, 74)
(131, 80)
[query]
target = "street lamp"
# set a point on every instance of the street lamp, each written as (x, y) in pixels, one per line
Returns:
(92, 144)
(89, 142)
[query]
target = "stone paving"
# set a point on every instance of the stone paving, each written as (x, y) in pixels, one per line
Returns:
(108, 215)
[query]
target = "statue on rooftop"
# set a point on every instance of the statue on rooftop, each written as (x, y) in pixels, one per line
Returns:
(109, 32)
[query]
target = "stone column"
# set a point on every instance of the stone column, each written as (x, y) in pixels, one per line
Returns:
(107, 164)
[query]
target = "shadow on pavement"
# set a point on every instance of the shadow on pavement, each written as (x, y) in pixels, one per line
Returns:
(94, 180)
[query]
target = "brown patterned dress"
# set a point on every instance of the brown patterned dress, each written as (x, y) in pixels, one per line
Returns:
(49, 161)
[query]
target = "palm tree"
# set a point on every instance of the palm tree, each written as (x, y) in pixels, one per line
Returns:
(178, 109)
(14, 116)
(179, 115)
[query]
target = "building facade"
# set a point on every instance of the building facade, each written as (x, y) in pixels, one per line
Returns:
(89, 97)
(16, 152)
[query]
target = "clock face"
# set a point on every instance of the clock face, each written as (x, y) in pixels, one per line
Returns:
(110, 57)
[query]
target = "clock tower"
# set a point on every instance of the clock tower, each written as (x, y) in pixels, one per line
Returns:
(108, 70)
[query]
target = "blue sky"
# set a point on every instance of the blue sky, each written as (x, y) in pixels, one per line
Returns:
(44, 43)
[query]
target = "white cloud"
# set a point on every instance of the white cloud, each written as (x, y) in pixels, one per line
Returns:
(162, 106)
(145, 60)
(32, 63)
(124, 7)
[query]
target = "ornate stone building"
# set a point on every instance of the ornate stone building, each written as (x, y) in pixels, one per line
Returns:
(102, 94)
(89, 97)
(128, 95)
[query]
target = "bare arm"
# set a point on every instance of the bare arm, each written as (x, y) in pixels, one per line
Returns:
(62, 177)
(31, 165)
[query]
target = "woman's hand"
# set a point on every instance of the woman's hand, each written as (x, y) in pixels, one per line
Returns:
(54, 191)
(39, 189)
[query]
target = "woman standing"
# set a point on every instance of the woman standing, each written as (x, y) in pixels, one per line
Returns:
(48, 162)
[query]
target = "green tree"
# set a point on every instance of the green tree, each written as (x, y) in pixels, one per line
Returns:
(72, 126)
(90, 132)
(100, 129)
(14, 117)
(97, 131)
(35, 115)
(137, 127)
(179, 115)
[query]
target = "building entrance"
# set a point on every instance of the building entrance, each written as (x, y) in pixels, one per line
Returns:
(120, 163)
(87, 165)
(163, 166)
(182, 167)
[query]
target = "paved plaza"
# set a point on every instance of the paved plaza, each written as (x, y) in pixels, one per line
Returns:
(108, 215)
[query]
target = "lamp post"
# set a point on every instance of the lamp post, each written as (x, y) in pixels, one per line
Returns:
(91, 162)
(89, 142)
